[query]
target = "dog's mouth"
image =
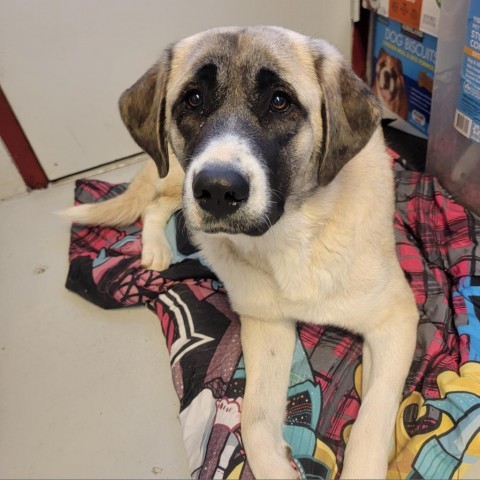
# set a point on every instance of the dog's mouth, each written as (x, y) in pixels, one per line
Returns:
(245, 223)
(239, 223)
(386, 94)
(389, 93)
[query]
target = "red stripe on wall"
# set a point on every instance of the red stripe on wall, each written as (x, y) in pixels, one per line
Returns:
(19, 147)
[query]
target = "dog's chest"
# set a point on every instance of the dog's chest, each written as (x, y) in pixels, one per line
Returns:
(321, 278)
(281, 280)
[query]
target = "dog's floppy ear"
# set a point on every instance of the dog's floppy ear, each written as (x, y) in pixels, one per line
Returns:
(142, 108)
(350, 111)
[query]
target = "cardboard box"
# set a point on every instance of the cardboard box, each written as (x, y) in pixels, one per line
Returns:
(402, 72)
(407, 12)
(430, 17)
(423, 15)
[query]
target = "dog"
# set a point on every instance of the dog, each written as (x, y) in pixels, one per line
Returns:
(389, 84)
(273, 147)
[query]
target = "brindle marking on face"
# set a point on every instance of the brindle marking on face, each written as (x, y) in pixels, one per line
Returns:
(350, 114)
(191, 121)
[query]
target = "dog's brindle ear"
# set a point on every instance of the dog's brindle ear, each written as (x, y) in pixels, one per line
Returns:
(350, 115)
(142, 108)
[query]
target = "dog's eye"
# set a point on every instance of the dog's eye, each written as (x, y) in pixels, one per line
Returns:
(194, 99)
(280, 102)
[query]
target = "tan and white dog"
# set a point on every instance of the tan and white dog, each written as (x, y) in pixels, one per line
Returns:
(288, 192)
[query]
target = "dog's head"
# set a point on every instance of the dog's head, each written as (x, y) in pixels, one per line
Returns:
(256, 116)
(389, 76)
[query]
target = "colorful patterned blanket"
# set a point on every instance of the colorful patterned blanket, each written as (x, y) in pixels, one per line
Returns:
(438, 424)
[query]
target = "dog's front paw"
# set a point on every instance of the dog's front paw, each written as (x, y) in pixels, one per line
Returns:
(269, 460)
(362, 462)
(363, 471)
(274, 468)
(156, 257)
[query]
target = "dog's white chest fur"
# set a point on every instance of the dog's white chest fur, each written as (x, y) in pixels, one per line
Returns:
(273, 273)
(276, 282)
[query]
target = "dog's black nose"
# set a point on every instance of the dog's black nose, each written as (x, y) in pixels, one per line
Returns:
(220, 190)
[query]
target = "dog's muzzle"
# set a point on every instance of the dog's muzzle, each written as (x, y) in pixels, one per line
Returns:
(220, 190)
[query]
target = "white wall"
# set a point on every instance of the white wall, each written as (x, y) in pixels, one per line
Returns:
(11, 183)
(64, 63)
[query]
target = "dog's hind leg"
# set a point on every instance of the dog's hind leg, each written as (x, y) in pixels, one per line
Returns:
(391, 345)
(268, 351)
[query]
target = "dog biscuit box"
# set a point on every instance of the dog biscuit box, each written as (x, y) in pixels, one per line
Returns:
(407, 12)
(423, 15)
(402, 72)
(430, 17)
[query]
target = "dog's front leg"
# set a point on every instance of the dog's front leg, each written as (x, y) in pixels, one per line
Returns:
(268, 351)
(156, 253)
(390, 349)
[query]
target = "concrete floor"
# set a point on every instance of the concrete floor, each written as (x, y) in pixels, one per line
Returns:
(85, 393)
